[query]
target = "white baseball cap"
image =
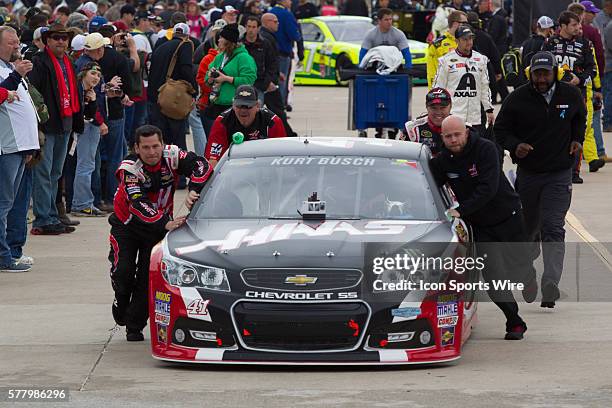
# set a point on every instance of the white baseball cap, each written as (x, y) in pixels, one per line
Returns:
(94, 41)
(78, 42)
(545, 22)
(181, 28)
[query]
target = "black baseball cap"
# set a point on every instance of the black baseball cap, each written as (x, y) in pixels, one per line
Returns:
(464, 31)
(543, 60)
(141, 15)
(438, 96)
(246, 95)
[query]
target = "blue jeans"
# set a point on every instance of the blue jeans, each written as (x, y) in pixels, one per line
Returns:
(601, 150)
(46, 175)
(17, 227)
(116, 149)
(87, 146)
(11, 169)
(197, 131)
(128, 125)
(141, 117)
(607, 94)
(284, 64)
(96, 179)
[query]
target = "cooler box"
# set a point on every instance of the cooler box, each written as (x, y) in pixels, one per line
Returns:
(379, 101)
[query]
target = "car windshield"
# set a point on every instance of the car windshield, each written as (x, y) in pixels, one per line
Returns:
(349, 31)
(352, 188)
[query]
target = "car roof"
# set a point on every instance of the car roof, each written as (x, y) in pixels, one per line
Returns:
(327, 146)
(338, 18)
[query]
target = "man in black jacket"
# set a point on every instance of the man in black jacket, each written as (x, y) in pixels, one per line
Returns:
(265, 55)
(542, 125)
(470, 166)
(496, 24)
(545, 27)
(54, 77)
(173, 130)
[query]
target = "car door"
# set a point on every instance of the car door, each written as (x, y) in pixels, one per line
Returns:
(313, 40)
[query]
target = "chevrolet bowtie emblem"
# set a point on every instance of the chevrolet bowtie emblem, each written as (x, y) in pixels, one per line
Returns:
(300, 280)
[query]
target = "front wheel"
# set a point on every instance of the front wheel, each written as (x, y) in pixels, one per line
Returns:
(342, 62)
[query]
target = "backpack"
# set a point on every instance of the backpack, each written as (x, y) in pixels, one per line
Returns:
(175, 98)
(511, 67)
(42, 113)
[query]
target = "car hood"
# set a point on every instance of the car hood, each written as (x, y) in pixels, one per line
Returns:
(237, 244)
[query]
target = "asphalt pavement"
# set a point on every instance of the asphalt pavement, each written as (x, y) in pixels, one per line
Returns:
(57, 330)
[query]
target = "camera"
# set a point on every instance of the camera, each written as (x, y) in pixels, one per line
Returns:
(214, 73)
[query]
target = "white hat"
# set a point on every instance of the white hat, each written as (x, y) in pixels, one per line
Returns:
(94, 41)
(181, 28)
(545, 22)
(219, 24)
(38, 32)
(230, 9)
(78, 42)
(90, 8)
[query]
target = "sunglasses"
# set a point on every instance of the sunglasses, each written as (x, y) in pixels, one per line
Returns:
(59, 37)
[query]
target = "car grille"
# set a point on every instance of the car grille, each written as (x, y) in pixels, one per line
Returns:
(301, 327)
(324, 279)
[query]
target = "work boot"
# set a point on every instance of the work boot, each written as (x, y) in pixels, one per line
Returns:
(576, 179)
(63, 217)
(596, 164)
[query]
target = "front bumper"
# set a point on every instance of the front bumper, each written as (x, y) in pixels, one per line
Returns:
(196, 326)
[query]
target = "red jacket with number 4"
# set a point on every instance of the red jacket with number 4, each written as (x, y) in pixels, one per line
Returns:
(145, 195)
(265, 125)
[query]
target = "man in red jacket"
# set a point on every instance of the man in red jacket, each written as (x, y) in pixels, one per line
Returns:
(245, 116)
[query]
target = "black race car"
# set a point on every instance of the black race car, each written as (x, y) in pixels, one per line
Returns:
(315, 251)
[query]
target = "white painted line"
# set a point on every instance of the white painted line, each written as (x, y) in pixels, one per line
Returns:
(600, 250)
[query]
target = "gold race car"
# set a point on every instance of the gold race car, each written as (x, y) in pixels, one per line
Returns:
(331, 42)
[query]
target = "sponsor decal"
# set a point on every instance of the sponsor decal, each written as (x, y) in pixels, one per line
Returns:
(447, 309)
(473, 171)
(162, 307)
(198, 307)
(129, 178)
(162, 333)
(426, 133)
(323, 161)
(449, 297)
(447, 336)
(460, 230)
(452, 175)
(299, 296)
(301, 280)
(449, 321)
(403, 162)
(406, 312)
(278, 232)
(216, 149)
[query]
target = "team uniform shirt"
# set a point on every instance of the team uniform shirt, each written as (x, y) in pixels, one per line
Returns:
(439, 48)
(575, 55)
(467, 80)
(421, 130)
(265, 125)
(19, 130)
(145, 195)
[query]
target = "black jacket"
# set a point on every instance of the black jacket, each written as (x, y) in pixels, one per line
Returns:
(306, 10)
(525, 117)
(485, 195)
(266, 59)
(43, 78)
(113, 64)
(532, 45)
(497, 27)
(160, 62)
(484, 44)
(355, 8)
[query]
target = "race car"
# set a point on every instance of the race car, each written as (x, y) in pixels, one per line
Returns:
(289, 257)
(332, 42)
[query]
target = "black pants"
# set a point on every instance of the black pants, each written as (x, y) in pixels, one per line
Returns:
(130, 253)
(546, 199)
(173, 131)
(501, 244)
(498, 87)
(274, 102)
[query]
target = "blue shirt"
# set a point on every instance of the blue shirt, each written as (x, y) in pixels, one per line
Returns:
(288, 29)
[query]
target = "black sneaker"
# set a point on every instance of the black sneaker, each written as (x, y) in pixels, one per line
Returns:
(52, 229)
(66, 229)
(531, 290)
(550, 293)
(67, 221)
(516, 333)
(118, 315)
(576, 179)
(549, 305)
(134, 335)
(596, 164)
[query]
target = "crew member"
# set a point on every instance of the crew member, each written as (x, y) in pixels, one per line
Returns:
(245, 116)
(470, 165)
(143, 210)
(465, 74)
(426, 129)
(443, 45)
(575, 55)
(545, 28)
(542, 125)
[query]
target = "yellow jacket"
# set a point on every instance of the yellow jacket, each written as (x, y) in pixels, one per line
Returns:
(437, 49)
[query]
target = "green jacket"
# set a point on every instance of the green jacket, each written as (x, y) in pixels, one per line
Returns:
(241, 67)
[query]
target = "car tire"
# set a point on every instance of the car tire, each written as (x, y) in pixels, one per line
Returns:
(342, 61)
